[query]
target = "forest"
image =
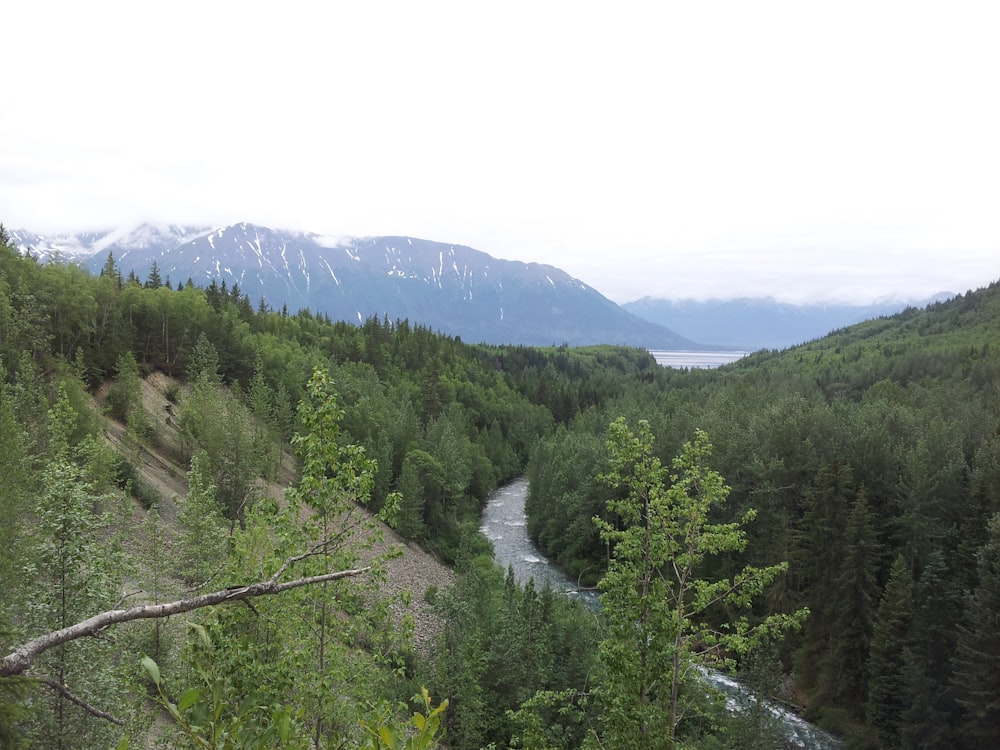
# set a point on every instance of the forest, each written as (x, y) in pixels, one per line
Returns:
(822, 522)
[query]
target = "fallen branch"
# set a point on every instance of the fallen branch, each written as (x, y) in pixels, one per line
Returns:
(20, 660)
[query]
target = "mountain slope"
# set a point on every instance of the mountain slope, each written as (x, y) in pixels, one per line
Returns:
(450, 288)
(91, 248)
(164, 477)
(953, 340)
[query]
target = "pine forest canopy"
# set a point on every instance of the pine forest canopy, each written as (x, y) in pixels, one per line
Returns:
(869, 458)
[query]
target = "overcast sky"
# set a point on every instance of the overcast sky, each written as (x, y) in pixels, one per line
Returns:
(801, 150)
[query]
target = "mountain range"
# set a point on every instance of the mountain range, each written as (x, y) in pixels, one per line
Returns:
(751, 324)
(449, 288)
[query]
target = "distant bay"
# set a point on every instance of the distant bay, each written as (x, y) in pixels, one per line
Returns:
(695, 359)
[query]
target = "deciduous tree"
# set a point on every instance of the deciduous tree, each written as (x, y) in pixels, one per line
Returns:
(656, 607)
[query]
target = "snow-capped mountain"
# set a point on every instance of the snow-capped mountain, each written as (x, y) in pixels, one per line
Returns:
(65, 247)
(451, 288)
(84, 246)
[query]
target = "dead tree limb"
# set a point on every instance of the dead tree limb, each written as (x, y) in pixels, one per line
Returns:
(20, 659)
(68, 695)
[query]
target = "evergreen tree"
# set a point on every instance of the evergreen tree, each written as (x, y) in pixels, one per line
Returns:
(73, 572)
(977, 662)
(410, 520)
(818, 560)
(153, 280)
(928, 721)
(890, 641)
(215, 420)
(202, 543)
(111, 271)
(984, 502)
(856, 595)
(124, 399)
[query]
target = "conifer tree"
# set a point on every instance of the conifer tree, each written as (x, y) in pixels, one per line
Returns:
(929, 717)
(73, 573)
(202, 539)
(410, 519)
(977, 663)
(154, 280)
(856, 594)
(818, 558)
(890, 641)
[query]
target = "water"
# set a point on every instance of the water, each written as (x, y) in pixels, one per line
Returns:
(696, 360)
(798, 731)
(504, 524)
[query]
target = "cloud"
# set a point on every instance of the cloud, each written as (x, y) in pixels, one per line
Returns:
(776, 147)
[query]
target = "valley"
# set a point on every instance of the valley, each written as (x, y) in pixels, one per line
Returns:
(849, 482)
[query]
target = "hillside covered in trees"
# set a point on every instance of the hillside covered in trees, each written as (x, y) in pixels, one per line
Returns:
(855, 478)
(872, 460)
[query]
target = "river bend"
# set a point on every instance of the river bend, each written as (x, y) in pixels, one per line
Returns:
(505, 524)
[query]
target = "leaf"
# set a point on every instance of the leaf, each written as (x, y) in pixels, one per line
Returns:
(419, 721)
(189, 698)
(202, 634)
(388, 736)
(151, 669)
(284, 725)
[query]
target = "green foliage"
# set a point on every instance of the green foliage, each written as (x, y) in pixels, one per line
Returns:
(563, 497)
(124, 398)
(385, 734)
(978, 658)
(74, 568)
(902, 409)
(16, 481)
(890, 641)
(211, 715)
(420, 478)
(502, 644)
(656, 606)
(295, 672)
(930, 701)
(551, 720)
(214, 420)
(324, 652)
(173, 392)
(12, 713)
(203, 537)
(857, 591)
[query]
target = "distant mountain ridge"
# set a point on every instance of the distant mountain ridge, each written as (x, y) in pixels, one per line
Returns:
(451, 288)
(762, 323)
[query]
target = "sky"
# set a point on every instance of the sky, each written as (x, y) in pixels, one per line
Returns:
(804, 151)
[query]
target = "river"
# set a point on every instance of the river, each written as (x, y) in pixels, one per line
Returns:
(504, 523)
(699, 360)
